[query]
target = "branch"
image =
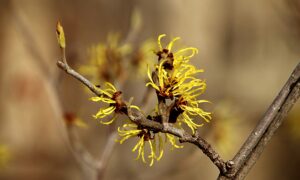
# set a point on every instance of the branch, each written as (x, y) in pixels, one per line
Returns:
(85, 158)
(140, 119)
(265, 129)
(79, 77)
(255, 154)
(79, 151)
(106, 154)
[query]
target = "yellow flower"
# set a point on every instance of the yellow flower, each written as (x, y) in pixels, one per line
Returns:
(131, 130)
(105, 62)
(5, 155)
(173, 70)
(142, 57)
(172, 139)
(109, 96)
(179, 81)
(175, 78)
(174, 59)
(186, 111)
(113, 98)
(160, 85)
(154, 140)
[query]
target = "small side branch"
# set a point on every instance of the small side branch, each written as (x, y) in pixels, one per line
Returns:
(108, 148)
(79, 151)
(77, 76)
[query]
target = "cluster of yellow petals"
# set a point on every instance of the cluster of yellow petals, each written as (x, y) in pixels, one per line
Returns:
(105, 59)
(180, 82)
(156, 143)
(143, 57)
(106, 97)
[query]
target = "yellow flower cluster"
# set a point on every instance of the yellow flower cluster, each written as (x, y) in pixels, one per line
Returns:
(111, 61)
(174, 78)
(116, 106)
(106, 60)
(141, 57)
(113, 98)
(155, 141)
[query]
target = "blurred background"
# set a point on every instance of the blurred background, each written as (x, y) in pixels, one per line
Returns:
(247, 48)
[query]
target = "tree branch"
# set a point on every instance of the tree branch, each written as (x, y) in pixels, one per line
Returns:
(265, 129)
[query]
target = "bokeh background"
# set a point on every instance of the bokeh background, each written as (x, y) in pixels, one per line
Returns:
(247, 48)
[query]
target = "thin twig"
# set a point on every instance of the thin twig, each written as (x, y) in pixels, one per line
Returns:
(79, 77)
(106, 154)
(70, 139)
(30, 42)
(80, 151)
(85, 158)
(76, 149)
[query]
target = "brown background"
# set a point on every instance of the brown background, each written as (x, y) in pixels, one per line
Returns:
(247, 48)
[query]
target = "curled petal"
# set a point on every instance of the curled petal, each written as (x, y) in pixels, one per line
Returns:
(129, 125)
(198, 111)
(170, 45)
(127, 134)
(110, 121)
(192, 49)
(153, 85)
(191, 123)
(105, 92)
(152, 153)
(161, 74)
(112, 87)
(104, 112)
(159, 41)
(138, 144)
(172, 140)
(161, 147)
(141, 146)
(135, 107)
(103, 99)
